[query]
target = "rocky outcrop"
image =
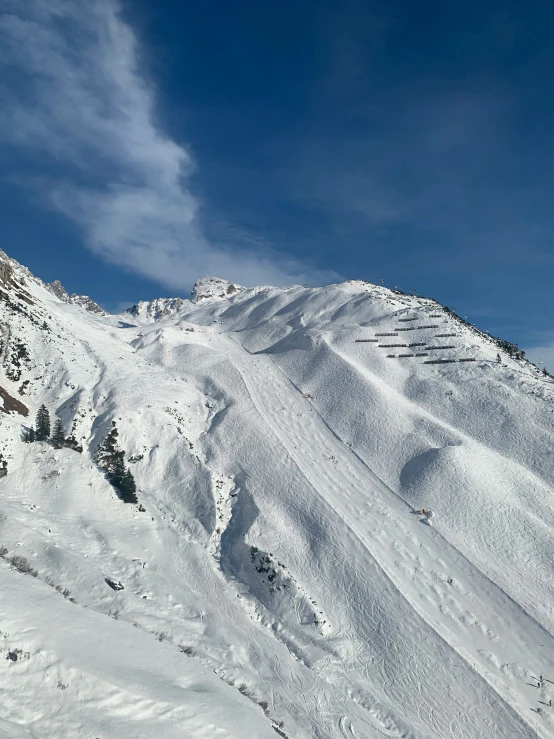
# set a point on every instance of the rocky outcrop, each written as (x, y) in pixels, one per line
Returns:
(12, 404)
(57, 289)
(153, 310)
(5, 272)
(214, 287)
(87, 303)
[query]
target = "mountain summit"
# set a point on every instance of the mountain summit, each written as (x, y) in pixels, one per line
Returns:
(205, 289)
(295, 512)
(213, 287)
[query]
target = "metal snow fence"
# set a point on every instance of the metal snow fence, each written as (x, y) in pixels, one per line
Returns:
(390, 346)
(440, 361)
(364, 341)
(406, 328)
(467, 360)
(442, 347)
(408, 319)
(443, 336)
(436, 325)
(393, 334)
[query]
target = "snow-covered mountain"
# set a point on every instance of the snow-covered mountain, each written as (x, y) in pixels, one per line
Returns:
(279, 578)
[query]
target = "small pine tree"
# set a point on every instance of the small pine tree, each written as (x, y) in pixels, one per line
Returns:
(58, 436)
(30, 435)
(42, 432)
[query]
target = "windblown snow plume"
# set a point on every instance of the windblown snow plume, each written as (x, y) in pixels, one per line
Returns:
(75, 93)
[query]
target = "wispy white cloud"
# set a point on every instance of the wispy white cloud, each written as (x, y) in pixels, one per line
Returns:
(77, 95)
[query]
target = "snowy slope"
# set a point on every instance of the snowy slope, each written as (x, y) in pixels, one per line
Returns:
(280, 580)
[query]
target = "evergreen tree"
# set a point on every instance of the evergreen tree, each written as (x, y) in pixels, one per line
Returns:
(30, 435)
(112, 460)
(117, 472)
(58, 436)
(107, 451)
(128, 488)
(42, 432)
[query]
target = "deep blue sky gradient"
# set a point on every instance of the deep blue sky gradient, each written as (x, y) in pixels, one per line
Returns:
(410, 143)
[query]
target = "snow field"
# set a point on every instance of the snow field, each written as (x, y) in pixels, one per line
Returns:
(279, 560)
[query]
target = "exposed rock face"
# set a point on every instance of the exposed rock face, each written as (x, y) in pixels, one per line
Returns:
(9, 403)
(205, 289)
(88, 303)
(57, 289)
(214, 287)
(155, 309)
(5, 273)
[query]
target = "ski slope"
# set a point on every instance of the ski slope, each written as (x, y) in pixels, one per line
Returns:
(280, 580)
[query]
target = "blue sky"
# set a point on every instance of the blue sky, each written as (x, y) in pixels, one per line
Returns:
(147, 144)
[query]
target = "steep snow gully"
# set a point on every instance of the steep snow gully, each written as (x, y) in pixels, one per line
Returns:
(278, 577)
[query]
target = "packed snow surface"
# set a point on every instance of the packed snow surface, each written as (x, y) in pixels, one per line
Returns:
(343, 536)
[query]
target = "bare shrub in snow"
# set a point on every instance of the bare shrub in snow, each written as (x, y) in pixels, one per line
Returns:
(21, 564)
(63, 591)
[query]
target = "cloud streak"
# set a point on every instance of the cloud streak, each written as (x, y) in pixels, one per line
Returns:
(78, 101)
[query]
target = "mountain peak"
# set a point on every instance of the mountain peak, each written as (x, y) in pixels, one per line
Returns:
(205, 288)
(57, 289)
(213, 287)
